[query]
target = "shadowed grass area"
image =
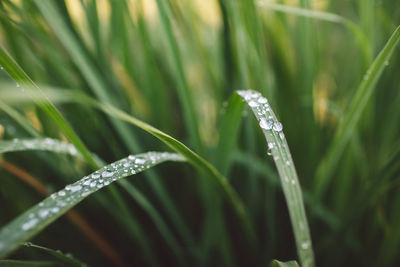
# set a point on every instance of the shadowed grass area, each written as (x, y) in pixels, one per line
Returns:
(85, 78)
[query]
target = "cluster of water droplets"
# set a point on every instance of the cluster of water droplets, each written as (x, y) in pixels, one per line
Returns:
(74, 193)
(47, 144)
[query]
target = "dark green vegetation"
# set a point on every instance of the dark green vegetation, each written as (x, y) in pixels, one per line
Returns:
(115, 78)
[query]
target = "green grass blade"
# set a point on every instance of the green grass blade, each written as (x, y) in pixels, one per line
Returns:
(25, 82)
(276, 263)
(329, 17)
(349, 123)
(19, 263)
(32, 221)
(279, 149)
(47, 144)
(193, 158)
(186, 100)
(228, 132)
(53, 145)
(66, 258)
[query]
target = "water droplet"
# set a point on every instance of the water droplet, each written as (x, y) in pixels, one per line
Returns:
(93, 184)
(43, 213)
(106, 183)
(29, 224)
(288, 163)
(95, 175)
(266, 124)
(305, 245)
(18, 85)
(61, 193)
(55, 209)
(269, 152)
(131, 157)
(107, 173)
(262, 100)
(75, 188)
(293, 181)
(126, 164)
(140, 161)
(281, 135)
(253, 104)
(87, 182)
(277, 126)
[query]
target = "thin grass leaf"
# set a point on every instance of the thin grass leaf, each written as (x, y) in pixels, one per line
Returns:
(193, 158)
(53, 145)
(47, 144)
(349, 123)
(24, 81)
(66, 258)
(329, 17)
(19, 263)
(278, 148)
(41, 215)
(228, 133)
(276, 263)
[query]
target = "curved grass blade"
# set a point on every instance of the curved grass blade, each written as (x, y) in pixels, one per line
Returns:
(228, 132)
(66, 258)
(326, 16)
(24, 81)
(47, 144)
(279, 149)
(349, 123)
(19, 263)
(276, 263)
(53, 145)
(193, 158)
(39, 216)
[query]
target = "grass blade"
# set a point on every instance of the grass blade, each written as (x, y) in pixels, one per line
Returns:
(24, 81)
(329, 17)
(39, 216)
(66, 258)
(349, 123)
(279, 149)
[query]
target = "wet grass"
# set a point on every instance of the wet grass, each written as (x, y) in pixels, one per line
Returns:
(88, 82)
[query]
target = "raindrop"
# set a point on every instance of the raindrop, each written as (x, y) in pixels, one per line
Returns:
(262, 100)
(93, 184)
(87, 182)
(266, 124)
(140, 161)
(43, 213)
(253, 104)
(29, 224)
(277, 126)
(107, 173)
(55, 209)
(305, 245)
(75, 188)
(95, 175)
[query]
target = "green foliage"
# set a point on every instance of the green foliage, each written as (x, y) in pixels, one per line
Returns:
(88, 82)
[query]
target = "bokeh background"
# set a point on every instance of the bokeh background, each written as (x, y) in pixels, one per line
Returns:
(174, 64)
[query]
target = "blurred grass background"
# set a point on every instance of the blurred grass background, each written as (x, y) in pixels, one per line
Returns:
(174, 64)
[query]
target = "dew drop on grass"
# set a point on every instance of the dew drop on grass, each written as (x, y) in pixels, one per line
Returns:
(140, 161)
(29, 224)
(93, 184)
(305, 245)
(277, 126)
(262, 100)
(107, 173)
(253, 104)
(265, 124)
(269, 152)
